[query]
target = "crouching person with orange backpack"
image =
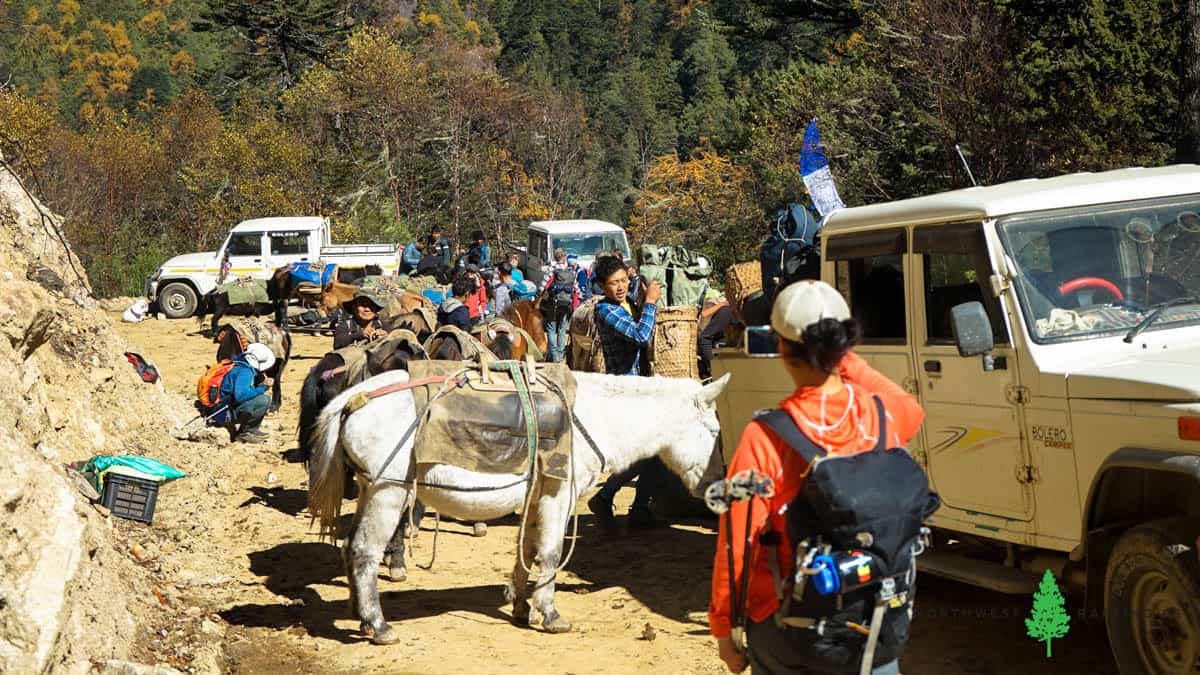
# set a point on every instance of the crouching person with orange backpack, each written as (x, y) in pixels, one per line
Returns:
(822, 509)
(228, 396)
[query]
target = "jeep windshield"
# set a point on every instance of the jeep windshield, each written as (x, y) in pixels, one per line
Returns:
(590, 245)
(1097, 271)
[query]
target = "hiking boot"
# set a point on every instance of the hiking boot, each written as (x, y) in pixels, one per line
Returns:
(602, 508)
(252, 436)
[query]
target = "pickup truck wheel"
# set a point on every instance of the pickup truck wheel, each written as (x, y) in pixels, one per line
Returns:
(177, 301)
(1152, 592)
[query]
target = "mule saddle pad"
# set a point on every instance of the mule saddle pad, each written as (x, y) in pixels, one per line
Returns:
(481, 425)
(361, 361)
(245, 290)
(254, 329)
(470, 347)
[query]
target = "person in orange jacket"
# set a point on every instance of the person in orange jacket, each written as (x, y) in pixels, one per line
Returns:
(834, 407)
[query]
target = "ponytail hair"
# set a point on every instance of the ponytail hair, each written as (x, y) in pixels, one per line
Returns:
(824, 344)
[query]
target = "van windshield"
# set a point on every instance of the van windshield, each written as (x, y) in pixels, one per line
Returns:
(591, 245)
(1096, 270)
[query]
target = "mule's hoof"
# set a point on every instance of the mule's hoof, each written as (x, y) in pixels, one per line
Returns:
(387, 636)
(521, 613)
(479, 530)
(556, 625)
(397, 573)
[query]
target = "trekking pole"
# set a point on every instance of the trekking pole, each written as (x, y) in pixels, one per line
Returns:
(742, 487)
(206, 418)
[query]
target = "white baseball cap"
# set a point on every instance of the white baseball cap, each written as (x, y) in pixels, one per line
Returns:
(259, 356)
(804, 303)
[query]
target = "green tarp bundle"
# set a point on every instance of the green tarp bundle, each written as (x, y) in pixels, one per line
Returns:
(245, 291)
(683, 274)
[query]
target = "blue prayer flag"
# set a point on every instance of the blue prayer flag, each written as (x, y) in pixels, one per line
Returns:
(814, 169)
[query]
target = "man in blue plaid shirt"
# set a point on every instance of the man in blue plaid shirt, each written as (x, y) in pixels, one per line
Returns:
(624, 341)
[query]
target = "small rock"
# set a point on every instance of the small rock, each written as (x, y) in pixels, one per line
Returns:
(139, 553)
(213, 435)
(648, 633)
(193, 611)
(272, 478)
(102, 510)
(618, 604)
(209, 628)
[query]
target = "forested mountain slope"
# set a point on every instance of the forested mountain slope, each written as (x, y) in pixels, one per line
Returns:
(155, 124)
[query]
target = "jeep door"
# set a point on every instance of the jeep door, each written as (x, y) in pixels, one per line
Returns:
(972, 420)
(245, 251)
(870, 269)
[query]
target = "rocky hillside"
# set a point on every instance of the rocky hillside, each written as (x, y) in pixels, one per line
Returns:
(72, 596)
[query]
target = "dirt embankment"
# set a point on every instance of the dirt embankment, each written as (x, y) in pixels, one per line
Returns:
(72, 596)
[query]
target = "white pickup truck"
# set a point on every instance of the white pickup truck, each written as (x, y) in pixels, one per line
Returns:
(256, 248)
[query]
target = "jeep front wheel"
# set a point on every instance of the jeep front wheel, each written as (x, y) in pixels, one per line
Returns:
(177, 301)
(1152, 599)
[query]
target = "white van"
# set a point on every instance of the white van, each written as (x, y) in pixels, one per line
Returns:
(584, 238)
(1051, 330)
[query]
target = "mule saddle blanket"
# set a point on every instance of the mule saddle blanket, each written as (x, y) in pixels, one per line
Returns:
(468, 344)
(361, 361)
(254, 329)
(497, 419)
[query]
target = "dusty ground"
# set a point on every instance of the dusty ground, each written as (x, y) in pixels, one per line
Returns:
(280, 600)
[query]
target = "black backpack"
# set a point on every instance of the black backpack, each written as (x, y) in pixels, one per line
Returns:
(856, 526)
(792, 251)
(561, 291)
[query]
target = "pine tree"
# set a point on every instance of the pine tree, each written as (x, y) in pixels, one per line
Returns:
(1049, 619)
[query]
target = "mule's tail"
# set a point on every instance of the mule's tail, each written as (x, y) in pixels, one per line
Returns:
(310, 407)
(327, 467)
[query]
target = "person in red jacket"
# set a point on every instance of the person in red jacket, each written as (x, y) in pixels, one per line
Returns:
(833, 406)
(477, 301)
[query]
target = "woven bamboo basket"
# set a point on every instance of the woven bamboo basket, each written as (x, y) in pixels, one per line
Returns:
(674, 348)
(742, 280)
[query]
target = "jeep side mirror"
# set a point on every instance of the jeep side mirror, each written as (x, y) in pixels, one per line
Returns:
(759, 341)
(973, 331)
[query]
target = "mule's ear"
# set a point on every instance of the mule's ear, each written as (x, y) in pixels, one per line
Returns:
(710, 392)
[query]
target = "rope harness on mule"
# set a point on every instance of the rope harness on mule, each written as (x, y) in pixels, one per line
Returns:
(523, 374)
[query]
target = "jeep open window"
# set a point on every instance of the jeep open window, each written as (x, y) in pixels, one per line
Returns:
(1099, 270)
(245, 244)
(870, 275)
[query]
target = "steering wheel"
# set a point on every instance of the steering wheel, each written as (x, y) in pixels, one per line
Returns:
(1080, 283)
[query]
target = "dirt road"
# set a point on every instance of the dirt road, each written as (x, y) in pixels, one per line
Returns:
(282, 598)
